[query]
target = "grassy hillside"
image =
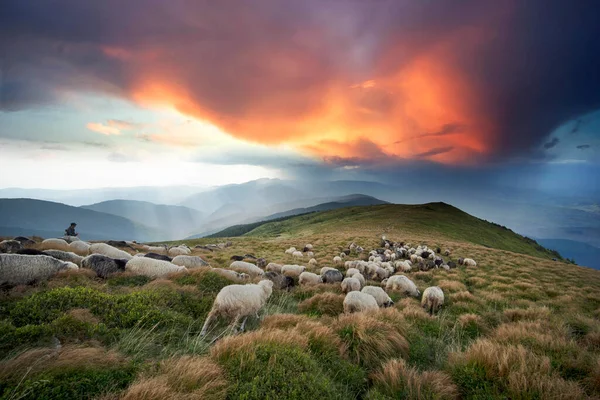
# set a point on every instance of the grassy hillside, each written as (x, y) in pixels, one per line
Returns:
(516, 326)
(432, 220)
(239, 230)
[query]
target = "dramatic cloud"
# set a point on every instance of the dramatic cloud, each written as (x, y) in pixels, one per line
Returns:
(583, 146)
(344, 80)
(551, 143)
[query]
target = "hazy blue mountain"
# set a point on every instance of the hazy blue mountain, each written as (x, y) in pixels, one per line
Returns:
(175, 221)
(50, 219)
(584, 254)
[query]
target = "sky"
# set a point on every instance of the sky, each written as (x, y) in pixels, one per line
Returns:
(138, 93)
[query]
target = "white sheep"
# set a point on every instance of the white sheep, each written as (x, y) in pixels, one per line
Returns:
(65, 256)
(109, 251)
(360, 278)
(189, 261)
(312, 262)
(433, 299)
(249, 268)
(55, 244)
(403, 284)
(403, 266)
(325, 269)
(273, 267)
(351, 271)
(469, 262)
(156, 249)
(342, 255)
(239, 301)
(382, 298)
(179, 251)
(290, 251)
(151, 267)
(337, 260)
(297, 254)
(350, 284)
(308, 247)
(310, 254)
(358, 301)
(292, 270)
(19, 269)
(309, 278)
(80, 248)
(231, 275)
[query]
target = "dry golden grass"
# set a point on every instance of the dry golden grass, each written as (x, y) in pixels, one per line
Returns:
(463, 296)
(83, 315)
(451, 286)
(323, 304)
(283, 321)
(470, 319)
(245, 343)
(369, 340)
(398, 380)
(528, 314)
(523, 373)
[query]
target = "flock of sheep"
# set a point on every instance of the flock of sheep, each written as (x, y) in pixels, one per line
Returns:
(23, 262)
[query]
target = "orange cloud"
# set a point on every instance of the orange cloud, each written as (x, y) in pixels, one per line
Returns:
(103, 129)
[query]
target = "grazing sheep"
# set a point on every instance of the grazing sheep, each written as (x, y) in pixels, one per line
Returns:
(308, 247)
(290, 251)
(292, 270)
(151, 267)
(55, 244)
(25, 242)
(309, 278)
(446, 252)
(109, 251)
(403, 284)
(350, 284)
(351, 271)
(325, 269)
(451, 264)
(438, 261)
(229, 274)
(297, 254)
(65, 256)
(70, 239)
(158, 257)
(460, 261)
(274, 267)
(312, 262)
(332, 276)
(103, 266)
(433, 299)
(381, 297)
(403, 266)
(236, 258)
(438, 250)
(310, 254)
(469, 262)
(239, 301)
(10, 246)
(80, 248)
(261, 262)
(179, 251)
(246, 267)
(337, 260)
(280, 281)
(445, 266)
(190, 261)
(359, 249)
(157, 249)
(413, 258)
(20, 269)
(360, 278)
(342, 255)
(358, 301)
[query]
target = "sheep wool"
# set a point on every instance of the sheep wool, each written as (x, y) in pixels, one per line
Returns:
(179, 251)
(274, 267)
(381, 297)
(156, 249)
(231, 275)
(309, 278)
(433, 299)
(80, 248)
(239, 301)
(19, 269)
(350, 284)
(103, 266)
(151, 267)
(332, 276)
(292, 270)
(469, 262)
(109, 251)
(189, 261)
(291, 250)
(358, 302)
(352, 271)
(325, 269)
(10, 246)
(280, 281)
(337, 260)
(65, 256)
(403, 284)
(55, 244)
(297, 254)
(312, 262)
(249, 268)
(360, 278)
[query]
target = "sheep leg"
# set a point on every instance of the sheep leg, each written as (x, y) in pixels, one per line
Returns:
(209, 318)
(235, 322)
(243, 324)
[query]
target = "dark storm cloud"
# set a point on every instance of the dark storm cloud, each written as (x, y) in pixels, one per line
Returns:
(583, 146)
(527, 66)
(434, 152)
(552, 143)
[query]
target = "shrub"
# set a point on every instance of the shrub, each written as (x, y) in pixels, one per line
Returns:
(370, 341)
(273, 364)
(125, 279)
(206, 281)
(323, 304)
(396, 380)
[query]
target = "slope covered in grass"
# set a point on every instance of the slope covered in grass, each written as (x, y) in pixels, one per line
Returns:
(434, 220)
